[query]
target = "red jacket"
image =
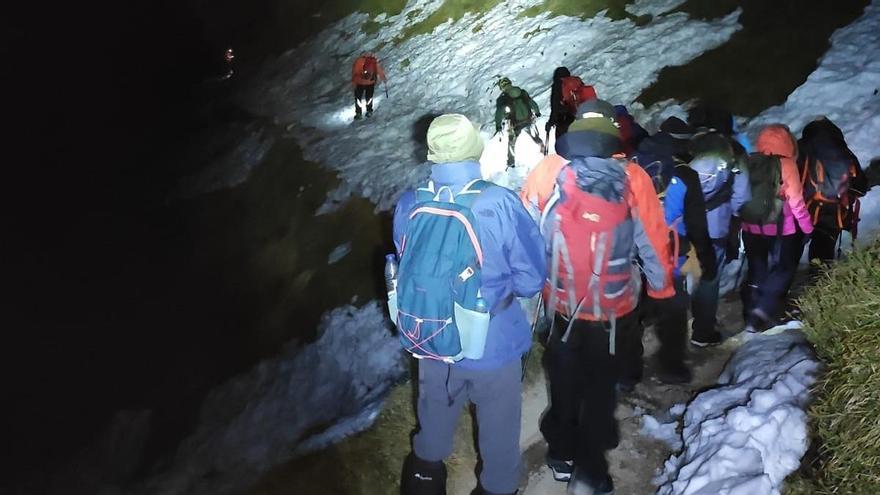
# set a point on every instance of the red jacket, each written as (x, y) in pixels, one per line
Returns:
(357, 72)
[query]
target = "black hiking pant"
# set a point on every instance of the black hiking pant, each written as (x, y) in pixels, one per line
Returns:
(704, 302)
(771, 267)
(363, 96)
(583, 372)
(823, 244)
(672, 326)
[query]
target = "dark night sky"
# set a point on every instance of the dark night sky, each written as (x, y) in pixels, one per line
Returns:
(97, 97)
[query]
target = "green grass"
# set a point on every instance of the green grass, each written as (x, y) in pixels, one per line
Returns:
(580, 8)
(451, 9)
(761, 64)
(372, 27)
(842, 320)
(405, 63)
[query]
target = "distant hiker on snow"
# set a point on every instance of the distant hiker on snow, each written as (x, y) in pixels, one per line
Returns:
(515, 106)
(466, 244)
(566, 94)
(365, 72)
(599, 214)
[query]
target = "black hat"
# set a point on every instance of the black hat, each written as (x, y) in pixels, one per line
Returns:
(677, 128)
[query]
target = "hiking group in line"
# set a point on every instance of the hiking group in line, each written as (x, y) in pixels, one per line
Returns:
(617, 231)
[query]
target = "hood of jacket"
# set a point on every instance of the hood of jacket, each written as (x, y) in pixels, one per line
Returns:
(560, 72)
(776, 139)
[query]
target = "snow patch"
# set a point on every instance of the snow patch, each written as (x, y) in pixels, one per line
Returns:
(748, 433)
(303, 400)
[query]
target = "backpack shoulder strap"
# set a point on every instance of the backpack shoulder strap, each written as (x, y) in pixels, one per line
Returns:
(466, 196)
(723, 194)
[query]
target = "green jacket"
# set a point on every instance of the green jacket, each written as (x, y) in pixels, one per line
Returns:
(515, 105)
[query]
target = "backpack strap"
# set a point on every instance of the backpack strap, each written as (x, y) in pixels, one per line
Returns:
(723, 195)
(466, 196)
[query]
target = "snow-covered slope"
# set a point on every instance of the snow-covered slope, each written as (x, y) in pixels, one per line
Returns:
(845, 88)
(303, 400)
(453, 69)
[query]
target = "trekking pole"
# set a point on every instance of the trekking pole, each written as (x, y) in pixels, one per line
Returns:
(532, 338)
(385, 85)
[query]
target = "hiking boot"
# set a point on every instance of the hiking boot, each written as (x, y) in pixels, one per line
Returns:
(674, 375)
(710, 339)
(561, 469)
(357, 116)
(369, 113)
(759, 321)
(580, 485)
(422, 477)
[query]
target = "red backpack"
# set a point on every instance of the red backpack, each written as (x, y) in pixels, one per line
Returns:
(574, 92)
(589, 225)
(370, 68)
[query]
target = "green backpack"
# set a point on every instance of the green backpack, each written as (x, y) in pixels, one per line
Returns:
(519, 105)
(765, 179)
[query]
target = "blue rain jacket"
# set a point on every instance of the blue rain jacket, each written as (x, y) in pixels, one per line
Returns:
(514, 264)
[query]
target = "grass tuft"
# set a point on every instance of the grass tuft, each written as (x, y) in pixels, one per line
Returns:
(842, 320)
(580, 8)
(450, 10)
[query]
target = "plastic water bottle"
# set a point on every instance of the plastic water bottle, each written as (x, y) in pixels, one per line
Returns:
(481, 306)
(391, 272)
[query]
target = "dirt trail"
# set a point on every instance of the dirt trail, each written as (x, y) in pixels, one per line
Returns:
(637, 459)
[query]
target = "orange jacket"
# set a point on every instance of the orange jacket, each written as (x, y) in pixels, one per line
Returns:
(643, 201)
(776, 139)
(357, 71)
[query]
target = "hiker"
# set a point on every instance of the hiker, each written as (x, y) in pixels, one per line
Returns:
(593, 290)
(519, 110)
(724, 184)
(717, 119)
(566, 93)
(365, 72)
(770, 219)
(631, 133)
(228, 57)
(492, 223)
(664, 156)
(833, 182)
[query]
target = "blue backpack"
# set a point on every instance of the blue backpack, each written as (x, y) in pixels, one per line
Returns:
(440, 312)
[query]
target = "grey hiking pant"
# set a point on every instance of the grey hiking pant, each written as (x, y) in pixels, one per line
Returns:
(443, 390)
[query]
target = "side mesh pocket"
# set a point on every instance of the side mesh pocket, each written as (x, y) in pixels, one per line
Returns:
(473, 328)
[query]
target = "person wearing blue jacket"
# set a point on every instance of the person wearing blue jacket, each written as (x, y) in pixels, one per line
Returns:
(725, 187)
(514, 265)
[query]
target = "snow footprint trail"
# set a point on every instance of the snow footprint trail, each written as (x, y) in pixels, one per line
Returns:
(452, 70)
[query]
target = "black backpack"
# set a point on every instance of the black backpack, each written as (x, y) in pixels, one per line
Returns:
(765, 179)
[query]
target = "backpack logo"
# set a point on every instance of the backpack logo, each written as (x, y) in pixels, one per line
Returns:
(593, 217)
(440, 312)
